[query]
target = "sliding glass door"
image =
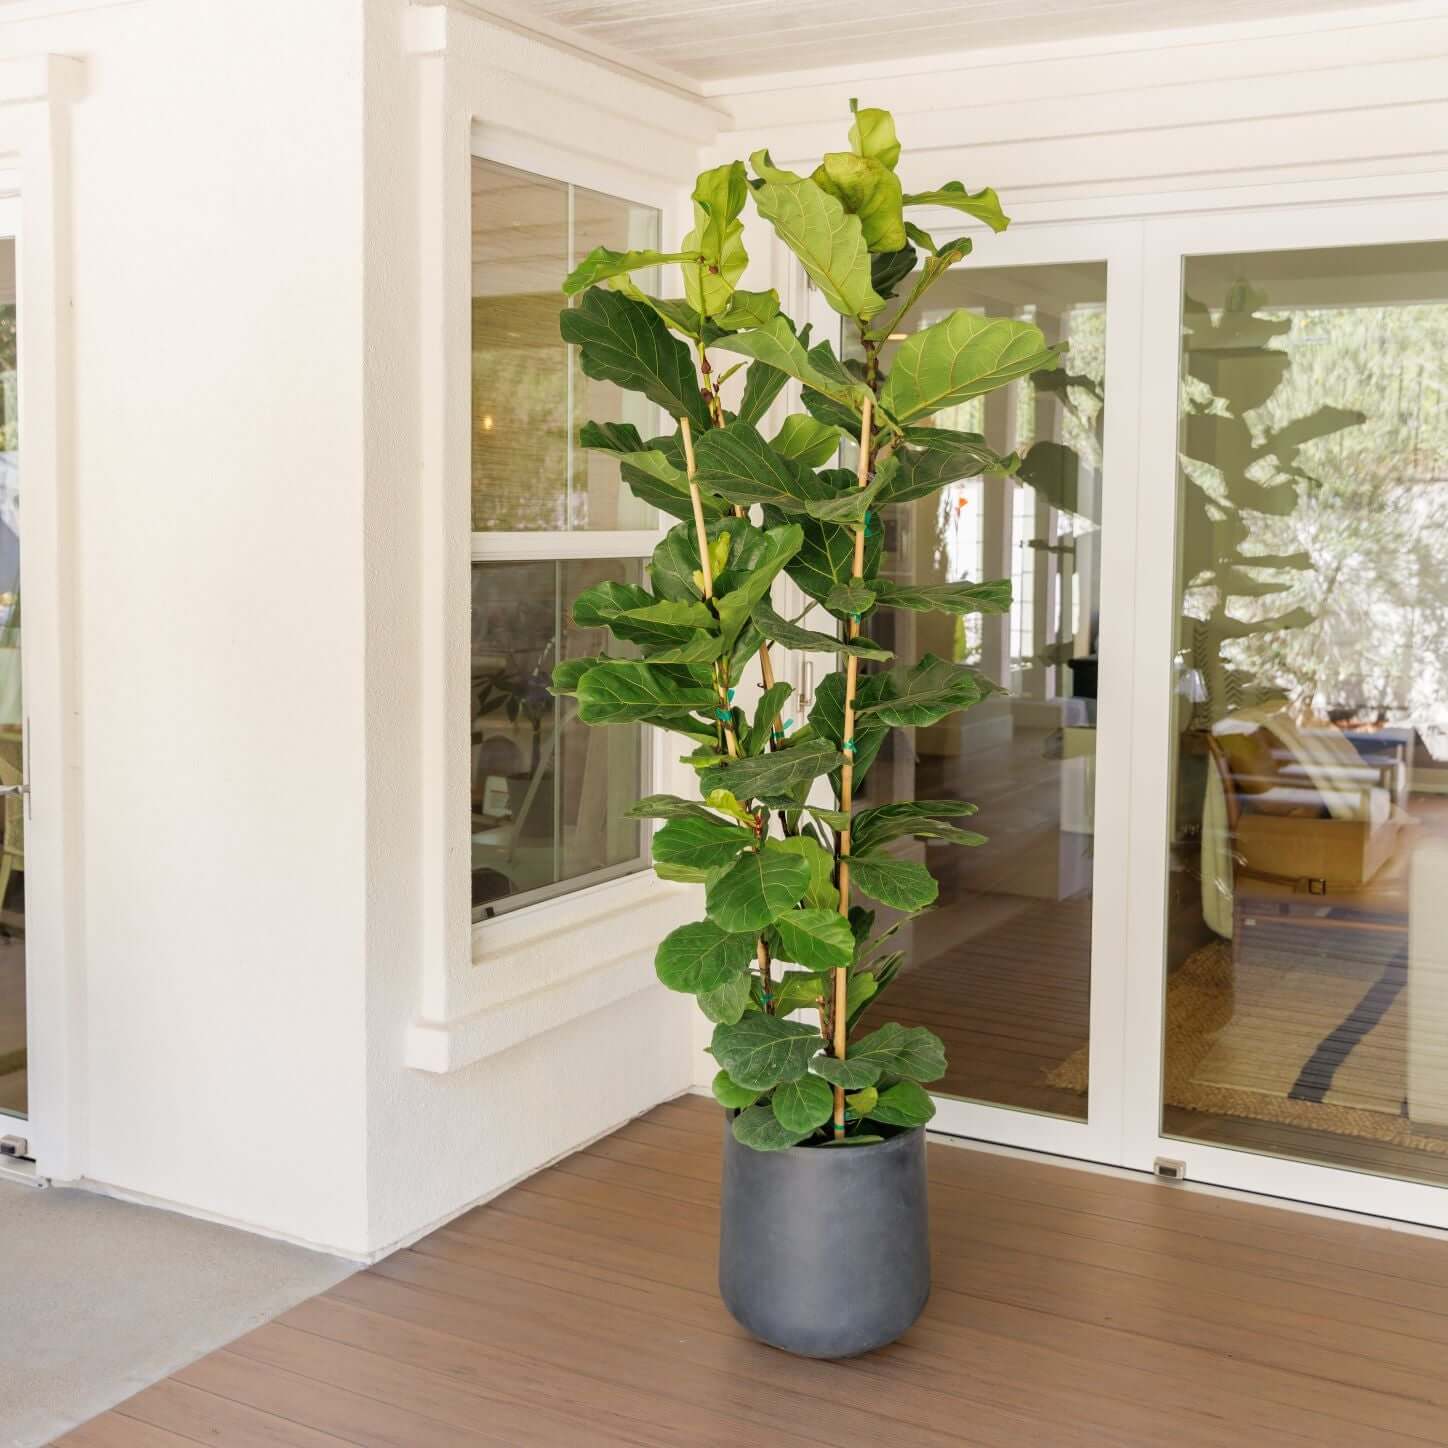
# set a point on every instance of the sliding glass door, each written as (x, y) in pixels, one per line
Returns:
(1292, 1010)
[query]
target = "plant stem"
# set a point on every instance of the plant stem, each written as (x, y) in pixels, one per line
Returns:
(721, 668)
(847, 770)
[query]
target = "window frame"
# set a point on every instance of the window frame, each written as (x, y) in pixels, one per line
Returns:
(564, 545)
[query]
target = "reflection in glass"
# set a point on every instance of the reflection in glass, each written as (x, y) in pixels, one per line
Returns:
(13, 1074)
(527, 471)
(1001, 970)
(548, 794)
(1307, 990)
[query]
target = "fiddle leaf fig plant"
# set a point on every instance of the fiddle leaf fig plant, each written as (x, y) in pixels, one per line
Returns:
(788, 959)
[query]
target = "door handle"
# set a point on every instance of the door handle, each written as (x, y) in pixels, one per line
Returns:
(14, 789)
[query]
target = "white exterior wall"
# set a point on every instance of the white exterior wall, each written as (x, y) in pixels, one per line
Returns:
(287, 1019)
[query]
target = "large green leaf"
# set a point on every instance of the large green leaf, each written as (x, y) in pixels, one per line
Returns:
(903, 1104)
(747, 309)
(702, 957)
(872, 133)
(901, 884)
(728, 1092)
(675, 562)
(919, 817)
(799, 990)
(889, 268)
(958, 358)
(727, 1003)
(767, 776)
(846, 600)
(910, 1052)
(624, 342)
(761, 1050)
(776, 345)
(771, 701)
(668, 807)
(926, 692)
(992, 596)
(984, 204)
(653, 470)
(829, 242)
(806, 440)
(737, 604)
(716, 244)
(868, 189)
(815, 939)
(762, 384)
(759, 1129)
(737, 463)
(792, 636)
(934, 457)
(826, 557)
(756, 889)
(828, 719)
(623, 690)
(600, 264)
(850, 505)
(802, 1105)
(704, 844)
(853, 1075)
(820, 893)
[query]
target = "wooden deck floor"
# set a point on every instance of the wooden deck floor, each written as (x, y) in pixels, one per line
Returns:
(1070, 1309)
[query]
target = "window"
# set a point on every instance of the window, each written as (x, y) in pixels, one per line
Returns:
(549, 520)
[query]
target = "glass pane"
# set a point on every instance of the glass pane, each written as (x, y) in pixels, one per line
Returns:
(1307, 971)
(548, 793)
(527, 387)
(13, 1093)
(1001, 970)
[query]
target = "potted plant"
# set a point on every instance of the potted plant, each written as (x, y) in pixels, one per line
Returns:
(824, 1245)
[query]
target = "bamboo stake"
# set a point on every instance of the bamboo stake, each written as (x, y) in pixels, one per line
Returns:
(847, 770)
(721, 680)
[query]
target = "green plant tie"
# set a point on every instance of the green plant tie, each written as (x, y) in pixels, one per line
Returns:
(731, 696)
(848, 746)
(723, 716)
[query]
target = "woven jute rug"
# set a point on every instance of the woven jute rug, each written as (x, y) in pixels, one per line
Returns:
(1320, 1042)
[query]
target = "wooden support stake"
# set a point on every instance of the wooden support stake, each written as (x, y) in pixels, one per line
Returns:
(847, 770)
(721, 669)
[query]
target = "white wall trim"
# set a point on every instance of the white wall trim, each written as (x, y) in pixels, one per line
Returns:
(35, 96)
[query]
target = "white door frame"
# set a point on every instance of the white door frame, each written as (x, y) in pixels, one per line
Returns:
(1166, 242)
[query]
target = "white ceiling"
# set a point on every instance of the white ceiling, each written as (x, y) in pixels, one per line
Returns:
(714, 40)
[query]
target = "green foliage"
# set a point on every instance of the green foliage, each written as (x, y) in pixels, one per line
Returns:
(767, 836)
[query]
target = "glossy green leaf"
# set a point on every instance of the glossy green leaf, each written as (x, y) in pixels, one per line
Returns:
(852, 1074)
(984, 204)
(826, 557)
(749, 309)
(802, 1105)
(567, 672)
(600, 264)
(737, 463)
(653, 470)
(860, 1102)
(828, 718)
(901, 884)
(757, 1128)
(872, 133)
(820, 893)
(761, 1050)
(993, 596)
(676, 559)
(851, 598)
(737, 604)
(903, 1104)
(848, 506)
(815, 939)
(771, 701)
(777, 346)
(725, 803)
(934, 457)
(704, 844)
(910, 1052)
(701, 956)
(869, 190)
(878, 826)
(730, 1093)
(799, 990)
(792, 636)
(698, 648)
(773, 774)
(806, 441)
(926, 692)
(888, 269)
(958, 358)
(716, 243)
(860, 989)
(756, 889)
(622, 690)
(728, 1002)
(762, 384)
(829, 242)
(624, 342)
(667, 807)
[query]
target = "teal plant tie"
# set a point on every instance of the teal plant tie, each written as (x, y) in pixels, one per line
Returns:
(723, 716)
(731, 696)
(848, 746)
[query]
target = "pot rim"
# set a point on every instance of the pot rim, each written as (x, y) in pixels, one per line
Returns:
(801, 1151)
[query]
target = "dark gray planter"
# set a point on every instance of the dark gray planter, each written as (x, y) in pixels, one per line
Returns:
(825, 1251)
